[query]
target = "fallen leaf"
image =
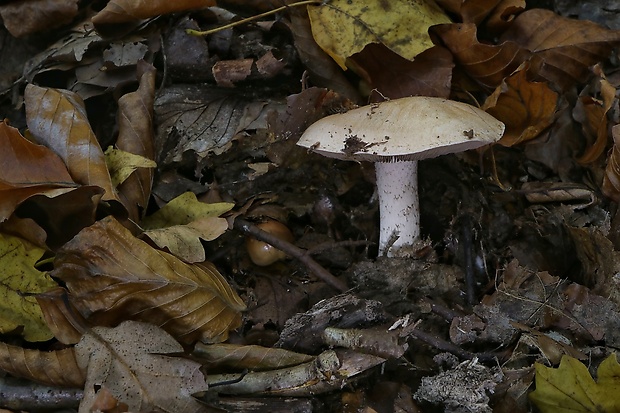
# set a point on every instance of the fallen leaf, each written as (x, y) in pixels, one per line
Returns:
(592, 113)
(570, 388)
(563, 48)
(113, 276)
(20, 281)
(185, 209)
(134, 363)
(137, 136)
(53, 368)
(62, 318)
(487, 64)
(611, 179)
(26, 17)
(240, 357)
(526, 108)
(57, 118)
(343, 28)
(391, 76)
(121, 164)
(184, 240)
(27, 169)
(123, 11)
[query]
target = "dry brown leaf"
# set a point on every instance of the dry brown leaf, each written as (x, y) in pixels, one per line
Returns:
(65, 322)
(27, 169)
(57, 118)
(470, 11)
(26, 17)
(134, 363)
(54, 368)
(526, 108)
(487, 64)
(392, 76)
(563, 49)
(136, 135)
(592, 113)
(123, 11)
(323, 70)
(611, 179)
(113, 276)
(239, 357)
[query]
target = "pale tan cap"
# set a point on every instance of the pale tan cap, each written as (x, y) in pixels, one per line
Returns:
(411, 128)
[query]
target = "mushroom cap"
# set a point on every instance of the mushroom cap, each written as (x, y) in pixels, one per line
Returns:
(409, 128)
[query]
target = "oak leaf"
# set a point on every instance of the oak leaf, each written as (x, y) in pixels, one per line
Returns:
(570, 388)
(113, 276)
(343, 28)
(134, 362)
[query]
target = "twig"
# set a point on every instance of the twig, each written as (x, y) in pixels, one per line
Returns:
(443, 345)
(22, 395)
(291, 250)
(249, 19)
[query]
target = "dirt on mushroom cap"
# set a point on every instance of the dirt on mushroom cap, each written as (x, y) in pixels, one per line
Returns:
(410, 128)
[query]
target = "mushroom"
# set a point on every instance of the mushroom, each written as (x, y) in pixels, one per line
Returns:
(264, 254)
(394, 135)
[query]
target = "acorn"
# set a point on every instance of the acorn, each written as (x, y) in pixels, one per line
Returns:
(263, 254)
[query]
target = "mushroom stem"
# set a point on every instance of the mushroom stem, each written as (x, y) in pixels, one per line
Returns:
(399, 210)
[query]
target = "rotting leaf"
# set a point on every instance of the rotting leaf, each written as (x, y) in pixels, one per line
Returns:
(570, 388)
(57, 118)
(113, 276)
(342, 28)
(20, 280)
(134, 362)
(526, 108)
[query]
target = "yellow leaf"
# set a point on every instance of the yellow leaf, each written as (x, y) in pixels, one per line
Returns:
(19, 280)
(344, 27)
(184, 209)
(184, 240)
(121, 164)
(570, 388)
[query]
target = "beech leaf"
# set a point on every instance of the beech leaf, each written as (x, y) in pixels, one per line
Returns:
(53, 368)
(131, 362)
(343, 27)
(20, 280)
(526, 108)
(122, 164)
(570, 388)
(57, 118)
(113, 276)
(184, 209)
(123, 11)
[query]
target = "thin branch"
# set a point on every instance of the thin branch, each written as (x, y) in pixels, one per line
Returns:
(293, 251)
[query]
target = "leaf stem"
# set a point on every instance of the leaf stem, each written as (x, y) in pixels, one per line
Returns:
(249, 19)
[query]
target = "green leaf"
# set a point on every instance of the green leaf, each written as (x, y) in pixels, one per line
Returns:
(184, 209)
(121, 164)
(19, 281)
(570, 388)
